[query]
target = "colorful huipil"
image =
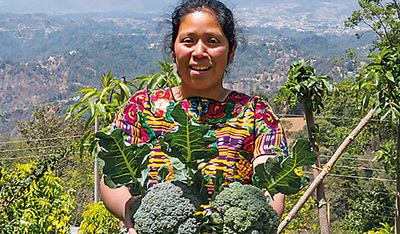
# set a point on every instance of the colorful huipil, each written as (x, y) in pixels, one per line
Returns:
(244, 128)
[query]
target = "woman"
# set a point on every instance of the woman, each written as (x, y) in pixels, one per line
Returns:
(203, 44)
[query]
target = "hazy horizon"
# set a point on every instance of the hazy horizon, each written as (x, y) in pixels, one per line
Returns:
(60, 7)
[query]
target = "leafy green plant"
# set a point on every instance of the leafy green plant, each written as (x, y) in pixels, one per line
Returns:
(381, 79)
(107, 101)
(104, 102)
(306, 219)
(97, 219)
(279, 173)
(122, 164)
(385, 229)
(305, 87)
(188, 147)
(167, 77)
(382, 17)
(32, 200)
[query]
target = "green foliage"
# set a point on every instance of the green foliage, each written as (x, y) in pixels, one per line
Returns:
(386, 229)
(304, 86)
(97, 219)
(370, 208)
(388, 158)
(190, 142)
(167, 77)
(107, 101)
(243, 209)
(380, 16)
(187, 147)
(306, 220)
(278, 174)
(123, 164)
(104, 102)
(49, 133)
(167, 207)
(32, 200)
(381, 78)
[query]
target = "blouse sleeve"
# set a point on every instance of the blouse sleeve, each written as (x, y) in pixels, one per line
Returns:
(129, 118)
(268, 130)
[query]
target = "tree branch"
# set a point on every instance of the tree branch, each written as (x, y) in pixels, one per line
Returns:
(327, 167)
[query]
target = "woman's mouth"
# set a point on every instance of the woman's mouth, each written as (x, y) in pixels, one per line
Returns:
(200, 68)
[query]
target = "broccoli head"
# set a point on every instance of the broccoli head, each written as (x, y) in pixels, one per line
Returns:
(167, 207)
(243, 209)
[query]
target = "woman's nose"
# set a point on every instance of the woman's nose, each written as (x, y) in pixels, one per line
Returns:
(200, 49)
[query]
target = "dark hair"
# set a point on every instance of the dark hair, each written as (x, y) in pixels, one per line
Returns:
(220, 11)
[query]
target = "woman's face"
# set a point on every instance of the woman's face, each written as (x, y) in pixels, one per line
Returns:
(201, 52)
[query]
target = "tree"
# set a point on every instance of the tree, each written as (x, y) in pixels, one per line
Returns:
(104, 102)
(305, 219)
(97, 219)
(33, 200)
(47, 133)
(382, 17)
(371, 206)
(381, 79)
(114, 93)
(304, 86)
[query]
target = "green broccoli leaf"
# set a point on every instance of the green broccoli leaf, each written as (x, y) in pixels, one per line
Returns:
(278, 174)
(163, 173)
(189, 143)
(123, 164)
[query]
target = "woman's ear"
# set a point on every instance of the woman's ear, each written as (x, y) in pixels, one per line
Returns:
(173, 56)
(171, 47)
(232, 53)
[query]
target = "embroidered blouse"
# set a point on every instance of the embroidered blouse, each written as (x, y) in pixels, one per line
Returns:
(244, 127)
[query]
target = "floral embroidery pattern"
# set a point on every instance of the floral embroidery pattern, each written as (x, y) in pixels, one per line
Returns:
(239, 98)
(198, 108)
(160, 94)
(139, 97)
(270, 119)
(244, 128)
(130, 113)
(248, 144)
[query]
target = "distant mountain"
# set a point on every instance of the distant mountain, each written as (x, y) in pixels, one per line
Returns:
(47, 58)
(57, 7)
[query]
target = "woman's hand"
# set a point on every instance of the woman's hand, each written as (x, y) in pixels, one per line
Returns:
(119, 201)
(127, 216)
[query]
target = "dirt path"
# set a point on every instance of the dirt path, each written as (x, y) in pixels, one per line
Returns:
(297, 123)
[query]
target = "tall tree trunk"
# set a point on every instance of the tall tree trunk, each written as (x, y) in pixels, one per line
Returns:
(327, 168)
(397, 218)
(322, 204)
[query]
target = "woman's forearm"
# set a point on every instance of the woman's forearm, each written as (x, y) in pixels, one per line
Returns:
(115, 199)
(278, 201)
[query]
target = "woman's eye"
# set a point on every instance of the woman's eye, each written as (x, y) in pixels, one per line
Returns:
(187, 40)
(213, 40)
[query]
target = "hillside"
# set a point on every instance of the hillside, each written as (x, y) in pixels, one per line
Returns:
(46, 59)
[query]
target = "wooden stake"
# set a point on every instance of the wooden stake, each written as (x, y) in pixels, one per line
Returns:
(325, 170)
